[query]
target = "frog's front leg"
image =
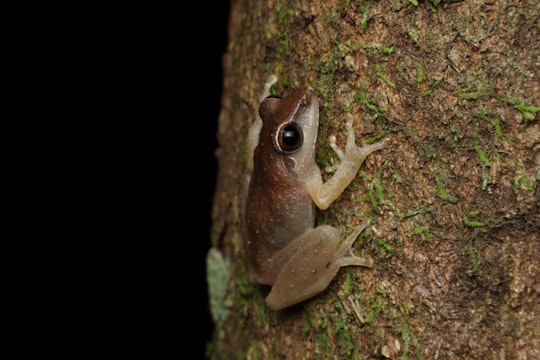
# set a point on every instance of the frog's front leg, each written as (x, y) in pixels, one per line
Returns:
(323, 194)
(317, 256)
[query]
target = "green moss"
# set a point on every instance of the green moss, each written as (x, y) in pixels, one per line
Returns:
(411, 213)
(482, 156)
(374, 139)
(386, 250)
(419, 73)
(376, 193)
(473, 223)
(486, 162)
(346, 287)
(380, 73)
(356, 355)
(523, 181)
(527, 111)
(306, 329)
(483, 112)
(410, 340)
(413, 33)
(497, 125)
(397, 177)
(323, 344)
(365, 17)
(372, 107)
(385, 50)
(255, 352)
(441, 191)
(280, 38)
(330, 18)
(455, 134)
(475, 264)
(466, 89)
(377, 185)
(284, 16)
(342, 331)
(429, 150)
(420, 230)
(375, 306)
(433, 5)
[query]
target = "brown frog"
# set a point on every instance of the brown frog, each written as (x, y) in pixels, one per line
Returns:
(284, 248)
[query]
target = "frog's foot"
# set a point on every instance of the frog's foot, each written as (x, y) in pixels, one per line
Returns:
(353, 152)
(346, 257)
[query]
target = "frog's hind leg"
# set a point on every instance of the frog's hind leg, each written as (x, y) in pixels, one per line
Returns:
(316, 258)
(309, 269)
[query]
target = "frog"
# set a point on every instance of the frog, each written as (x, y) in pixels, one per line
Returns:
(284, 188)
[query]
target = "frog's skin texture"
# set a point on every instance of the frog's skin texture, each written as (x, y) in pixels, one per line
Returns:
(283, 247)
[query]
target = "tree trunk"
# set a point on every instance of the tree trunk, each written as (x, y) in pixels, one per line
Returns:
(453, 203)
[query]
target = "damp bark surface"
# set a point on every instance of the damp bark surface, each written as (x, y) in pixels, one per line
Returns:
(453, 202)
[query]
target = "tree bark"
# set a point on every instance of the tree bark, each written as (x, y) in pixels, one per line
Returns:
(453, 203)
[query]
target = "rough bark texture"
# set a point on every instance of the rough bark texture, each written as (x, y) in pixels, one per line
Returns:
(454, 203)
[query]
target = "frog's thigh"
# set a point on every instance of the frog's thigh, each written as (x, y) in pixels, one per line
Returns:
(309, 270)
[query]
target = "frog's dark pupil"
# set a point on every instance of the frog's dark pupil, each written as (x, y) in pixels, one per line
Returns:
(290, 136)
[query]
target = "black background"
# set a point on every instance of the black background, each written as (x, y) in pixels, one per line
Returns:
(148, 83)
(212, 43)
(195, 43)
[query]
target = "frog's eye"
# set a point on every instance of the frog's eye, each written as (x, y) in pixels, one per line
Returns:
(289, 138)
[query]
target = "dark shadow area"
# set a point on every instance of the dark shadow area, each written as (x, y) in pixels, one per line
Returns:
(208, 64)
